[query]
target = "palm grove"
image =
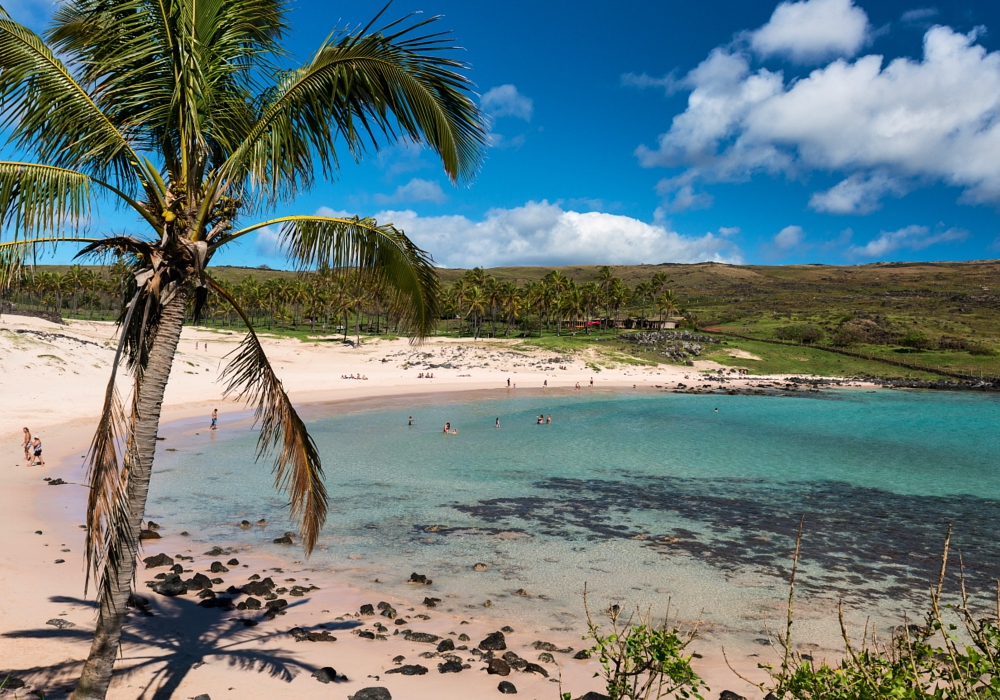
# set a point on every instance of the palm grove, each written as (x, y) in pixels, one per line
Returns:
(325, 300)
(192, 118)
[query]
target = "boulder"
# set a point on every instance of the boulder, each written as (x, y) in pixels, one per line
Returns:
(450, 666)
(494, 642)
(431, 602)
(423, 637)
(215, 552)
(158, 561)
(582, 654)
(498, 667)
(252, 604)
(507, 688)
(276, 604)
(233, 562)
(367, 609)
(259, 587)
(548, 646)
(245, 524)
(730, 695)
(325, 675)
(198, 582)
(409, 670)
(480, 567)
(377, 693)
(177, 569)
(594, 696)
(283, 540)
(171, 586)
(534, 668)
(302, 636)
(446, 645)
(203, 696)
(218, 568)
(515, 661)
(148, 535)
(419, 578)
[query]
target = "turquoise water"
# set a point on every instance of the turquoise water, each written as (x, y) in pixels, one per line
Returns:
(640, 495)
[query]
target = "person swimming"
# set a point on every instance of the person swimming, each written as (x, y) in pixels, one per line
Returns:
(541, 419)
(498, 421)
(447, 428)
(548, 419)
(409, 421)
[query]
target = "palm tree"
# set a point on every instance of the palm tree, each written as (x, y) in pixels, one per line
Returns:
(666, 303)
(177, 112)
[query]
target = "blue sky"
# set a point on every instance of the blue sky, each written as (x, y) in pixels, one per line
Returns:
(818, 131)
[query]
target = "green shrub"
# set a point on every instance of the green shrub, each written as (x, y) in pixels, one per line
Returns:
(916, 340)
(642, 660)
(800, 333)
(981, 349)
(849, 334)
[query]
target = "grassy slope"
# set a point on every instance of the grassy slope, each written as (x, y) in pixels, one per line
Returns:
(957, 299)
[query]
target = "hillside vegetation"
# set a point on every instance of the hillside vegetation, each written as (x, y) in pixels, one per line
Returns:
(927, 315)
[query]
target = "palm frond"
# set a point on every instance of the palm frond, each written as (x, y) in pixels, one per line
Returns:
(297, 466)
(359, 87)
(109, 535)
(48, 113)
(39, 200)
(379, 251)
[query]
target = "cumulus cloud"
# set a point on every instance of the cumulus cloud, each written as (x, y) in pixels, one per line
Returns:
(416, 190)
(542, 233)
(918, 15)
(506, 101)
(858, 194)
(812, 31)
(887, 128)
(669, 82)
(789, 237)
(267, 243)
(729, 230)
(911, 238)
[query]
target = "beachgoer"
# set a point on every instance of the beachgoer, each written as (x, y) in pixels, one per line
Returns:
(498, 422)
(410, 422)
(545, 384)
(541, 419)
(36, 447)
(27, 445)
(447, 428)
(196, 345)
(508, 382)
(215, 418)
(578, 386)
(454, 431)
(591, 382)
(548, 419)
(716, 410)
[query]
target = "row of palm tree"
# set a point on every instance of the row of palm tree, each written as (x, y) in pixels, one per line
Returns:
(351, 302)
(479, 300)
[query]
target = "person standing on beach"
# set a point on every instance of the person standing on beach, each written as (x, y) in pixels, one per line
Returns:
(27, 445)
(36, 447)
(215, 418)
(591, 382)
(508, 382)
(545, 384)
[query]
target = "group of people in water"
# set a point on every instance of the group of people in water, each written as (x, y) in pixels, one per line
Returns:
(32, 450)
(448, 430)
(352, 376)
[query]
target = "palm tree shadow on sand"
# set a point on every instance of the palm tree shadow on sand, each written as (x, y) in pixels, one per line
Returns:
(167, 643)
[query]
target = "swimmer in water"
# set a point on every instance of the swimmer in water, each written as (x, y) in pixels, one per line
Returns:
(498, 422)
(447, 428)
(409, 422)
(548, 419)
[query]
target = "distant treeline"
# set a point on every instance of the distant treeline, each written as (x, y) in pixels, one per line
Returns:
(328, 300)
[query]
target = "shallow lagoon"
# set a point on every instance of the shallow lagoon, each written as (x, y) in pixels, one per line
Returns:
(642, 495)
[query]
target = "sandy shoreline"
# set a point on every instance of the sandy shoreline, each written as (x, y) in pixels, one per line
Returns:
(54, 385)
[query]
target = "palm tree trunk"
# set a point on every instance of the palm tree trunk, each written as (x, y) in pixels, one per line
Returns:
(96, 675)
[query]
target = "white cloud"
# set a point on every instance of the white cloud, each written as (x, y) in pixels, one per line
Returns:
(918, 14)
(540, 233)
(669, 82)
(858, 194)
(267, 243)
(887, 128)
(501, 141)
(416, 190)
(506, 101)
(812, 30)
(789, 237)
(729, 230)
(911, 237)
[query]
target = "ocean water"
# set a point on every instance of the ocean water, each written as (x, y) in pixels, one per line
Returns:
(642, 496)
